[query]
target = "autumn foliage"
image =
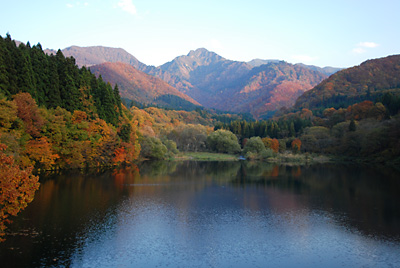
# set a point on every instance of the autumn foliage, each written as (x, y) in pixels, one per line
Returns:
(57, 139)
(272, 144)
(41, 153)
(296, 145)
(17, 188)
(28, 112)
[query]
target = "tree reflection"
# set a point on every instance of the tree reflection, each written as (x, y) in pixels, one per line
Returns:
(368, 196)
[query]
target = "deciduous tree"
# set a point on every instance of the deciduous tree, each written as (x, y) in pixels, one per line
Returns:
(223, 141)
(17, 188)
(296, 145)
(28, 111)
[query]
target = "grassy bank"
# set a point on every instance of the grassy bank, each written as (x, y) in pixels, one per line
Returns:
(278, 158)
(290, 158)
(205, 156)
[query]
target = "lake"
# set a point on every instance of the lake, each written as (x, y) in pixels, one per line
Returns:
(210, 214)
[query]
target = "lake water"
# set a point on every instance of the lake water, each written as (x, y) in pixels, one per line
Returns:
(210, 214)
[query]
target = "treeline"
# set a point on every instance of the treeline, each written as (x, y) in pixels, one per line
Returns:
(281, 128)
(55, 81)
(364, 130)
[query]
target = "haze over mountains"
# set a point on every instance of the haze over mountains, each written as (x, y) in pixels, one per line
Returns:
(258, 87)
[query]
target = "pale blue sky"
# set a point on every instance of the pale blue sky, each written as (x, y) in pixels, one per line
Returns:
(339, 33)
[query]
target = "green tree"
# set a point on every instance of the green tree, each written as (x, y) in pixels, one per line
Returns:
(223, 141)
(152, 148)
(3, 67)
(125, 132)
(189, 137)
(292, 131)
(52, 85)
(117, 99)
(10, 57)
(254, 145)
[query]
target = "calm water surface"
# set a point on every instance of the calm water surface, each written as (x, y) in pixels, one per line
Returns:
(210, 214)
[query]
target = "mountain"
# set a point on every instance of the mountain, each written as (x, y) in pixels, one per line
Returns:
(201, 74)
(218, 83)
(368, 81)
(257, 87)
(137, 85)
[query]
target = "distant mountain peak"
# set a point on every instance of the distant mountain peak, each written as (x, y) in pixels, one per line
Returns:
(201, 52)
(204, 54)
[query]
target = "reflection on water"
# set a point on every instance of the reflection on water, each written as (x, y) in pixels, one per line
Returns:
(211, 214)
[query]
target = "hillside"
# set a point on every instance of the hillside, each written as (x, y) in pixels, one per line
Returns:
(137, 85)
(368, 81)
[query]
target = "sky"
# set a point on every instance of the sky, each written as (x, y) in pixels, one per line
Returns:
(340, 33)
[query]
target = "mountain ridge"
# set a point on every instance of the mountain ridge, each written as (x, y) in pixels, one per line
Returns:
(214, 81)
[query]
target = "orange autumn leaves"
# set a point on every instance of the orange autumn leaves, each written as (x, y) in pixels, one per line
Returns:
(272, 144)
(56, 138)
(40, 151)
(17, 188)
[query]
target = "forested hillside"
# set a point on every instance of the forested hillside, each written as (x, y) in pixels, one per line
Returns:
(369, 81)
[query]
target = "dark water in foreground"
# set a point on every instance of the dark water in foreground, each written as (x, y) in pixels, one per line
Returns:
(211, 214)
